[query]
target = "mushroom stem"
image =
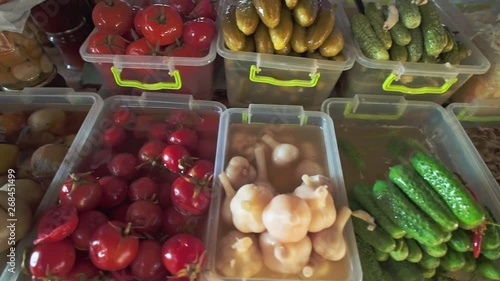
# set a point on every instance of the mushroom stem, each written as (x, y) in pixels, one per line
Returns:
(270, 141)
(226, 214)
(228, 188)
(260, 159)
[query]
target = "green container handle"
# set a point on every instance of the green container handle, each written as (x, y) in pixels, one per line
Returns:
(254, 70)
(175, 85)
(387, 86)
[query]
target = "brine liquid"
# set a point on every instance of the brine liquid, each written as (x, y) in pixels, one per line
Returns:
(309, 140)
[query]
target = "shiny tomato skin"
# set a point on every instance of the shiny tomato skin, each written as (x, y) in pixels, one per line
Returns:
(199, 33)
(204, 8)
(56, 223)
(186, 137)
(143, 188)
(123, 165)
(114, 191)
(183, 250)
(161, 24)
(105, 43)
(202, 170)
(87, 224)
(186, 201)
(123, 117)
(172, 221)
(114, 16)
(111, 249)
(147, 265)
(43, 259)
(142, 47)
(184, 7)
(145, 216)
(82, 193)
(175, 158)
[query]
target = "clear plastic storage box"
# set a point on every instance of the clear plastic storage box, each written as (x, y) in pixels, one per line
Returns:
(31, 99)
(240, 129)
(415, 81)
(90, 140)
(275, 79)
(376, 125)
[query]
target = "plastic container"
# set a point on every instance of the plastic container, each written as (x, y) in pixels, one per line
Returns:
(129, 74)
(279, 118)
(381, 116)
(414, 81)
(480, 114)
(274, 79)
(38, 98)
(481, 19)
(90, 138)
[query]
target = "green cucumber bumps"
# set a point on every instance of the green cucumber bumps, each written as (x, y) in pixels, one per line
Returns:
(450, 188)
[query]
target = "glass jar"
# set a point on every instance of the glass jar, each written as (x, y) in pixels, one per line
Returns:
(23, 61)
(68, 44)
(55, 16)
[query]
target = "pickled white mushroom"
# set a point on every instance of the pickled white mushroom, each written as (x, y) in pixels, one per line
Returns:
(287, 218)
(48, 119)
(308, 167)
(283, 153)
(247, 206)
(46, 64)
(320, 202)
(308, 151)
(229, 190)
(242, 144)
(239, 255)
(330, 243)
(260, 159)
(26, 71)
(287, 258)
(317, 267)
(239, 171)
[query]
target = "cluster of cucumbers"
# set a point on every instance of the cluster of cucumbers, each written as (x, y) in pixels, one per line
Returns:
(417, 35)
(292, 27)
(425, 218)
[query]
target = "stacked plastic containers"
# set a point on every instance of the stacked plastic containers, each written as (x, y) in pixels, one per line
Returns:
(243, 132)
(77, 106)
(415, 81)
(277, 79)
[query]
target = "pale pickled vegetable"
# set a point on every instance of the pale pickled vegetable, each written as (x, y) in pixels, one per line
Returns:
(34, 53)
(6, 78)
(48, 119)
(247, 206)
(287, 258)
(317, 267)
(240, 172)
(239, 255)
(22, 214)
(308, 151)
(283, 153)
(12, 58)
(8, 153)
(46, 64)
(308, 167)
(225, 211)
(46, 160)
(287, 218)
(330, 243)
(29, 190)
(26, 71)
(262, 178)
(11, 123)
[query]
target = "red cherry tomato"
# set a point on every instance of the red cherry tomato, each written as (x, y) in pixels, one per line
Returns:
(119, 213)
(114, 191)
(145, 216)
(208, 127)
(123, 117)
(87, 224)
(182, 118)
(112, 247)
(114, 137)
(151, 153)
(114, 16)
(189, 198)
(173, 222)
(142, 47)
(184, 7)
(207, 148)
(137, 21)
(83, 270)
(56, 223)
(44, 262)
(81, 191)
(160, 131)
(176, 158)
(185, 137)
(204, 8)
(185, 51)
(202, 172)
(164, 195)
(101, 42)
(123, 165)
(199, 33)
(183, 255)
(143, 189)
(98, 162)
(161, 24)
(147, 265)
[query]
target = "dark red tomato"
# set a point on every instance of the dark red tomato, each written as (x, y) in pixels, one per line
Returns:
(173, 222)
(123, 117)
(142, 47)
(184, 7)
(112, 247)
(143, 189)
(52, 259)
(161, 24)
(202, 172)
(145, 216)
(123, 165)
(114, 16)
(114, 191)
(101, 42)
(183, 255)
(185, 51)
(176, 158)
(199, 33)
(83, 270)
(81, 191)
(204, 8)
(56, 223)
(121, 275)
(119, 213)
(164, 195)
(143, 124)
(182, 118)
(114, 137)
(186, 137)
(207, 148)
(160, 132)
(87, 224)
(189, 198)
(147, 265)
(151, 151)
(98, 162)
(137, 21)
(208, 127)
